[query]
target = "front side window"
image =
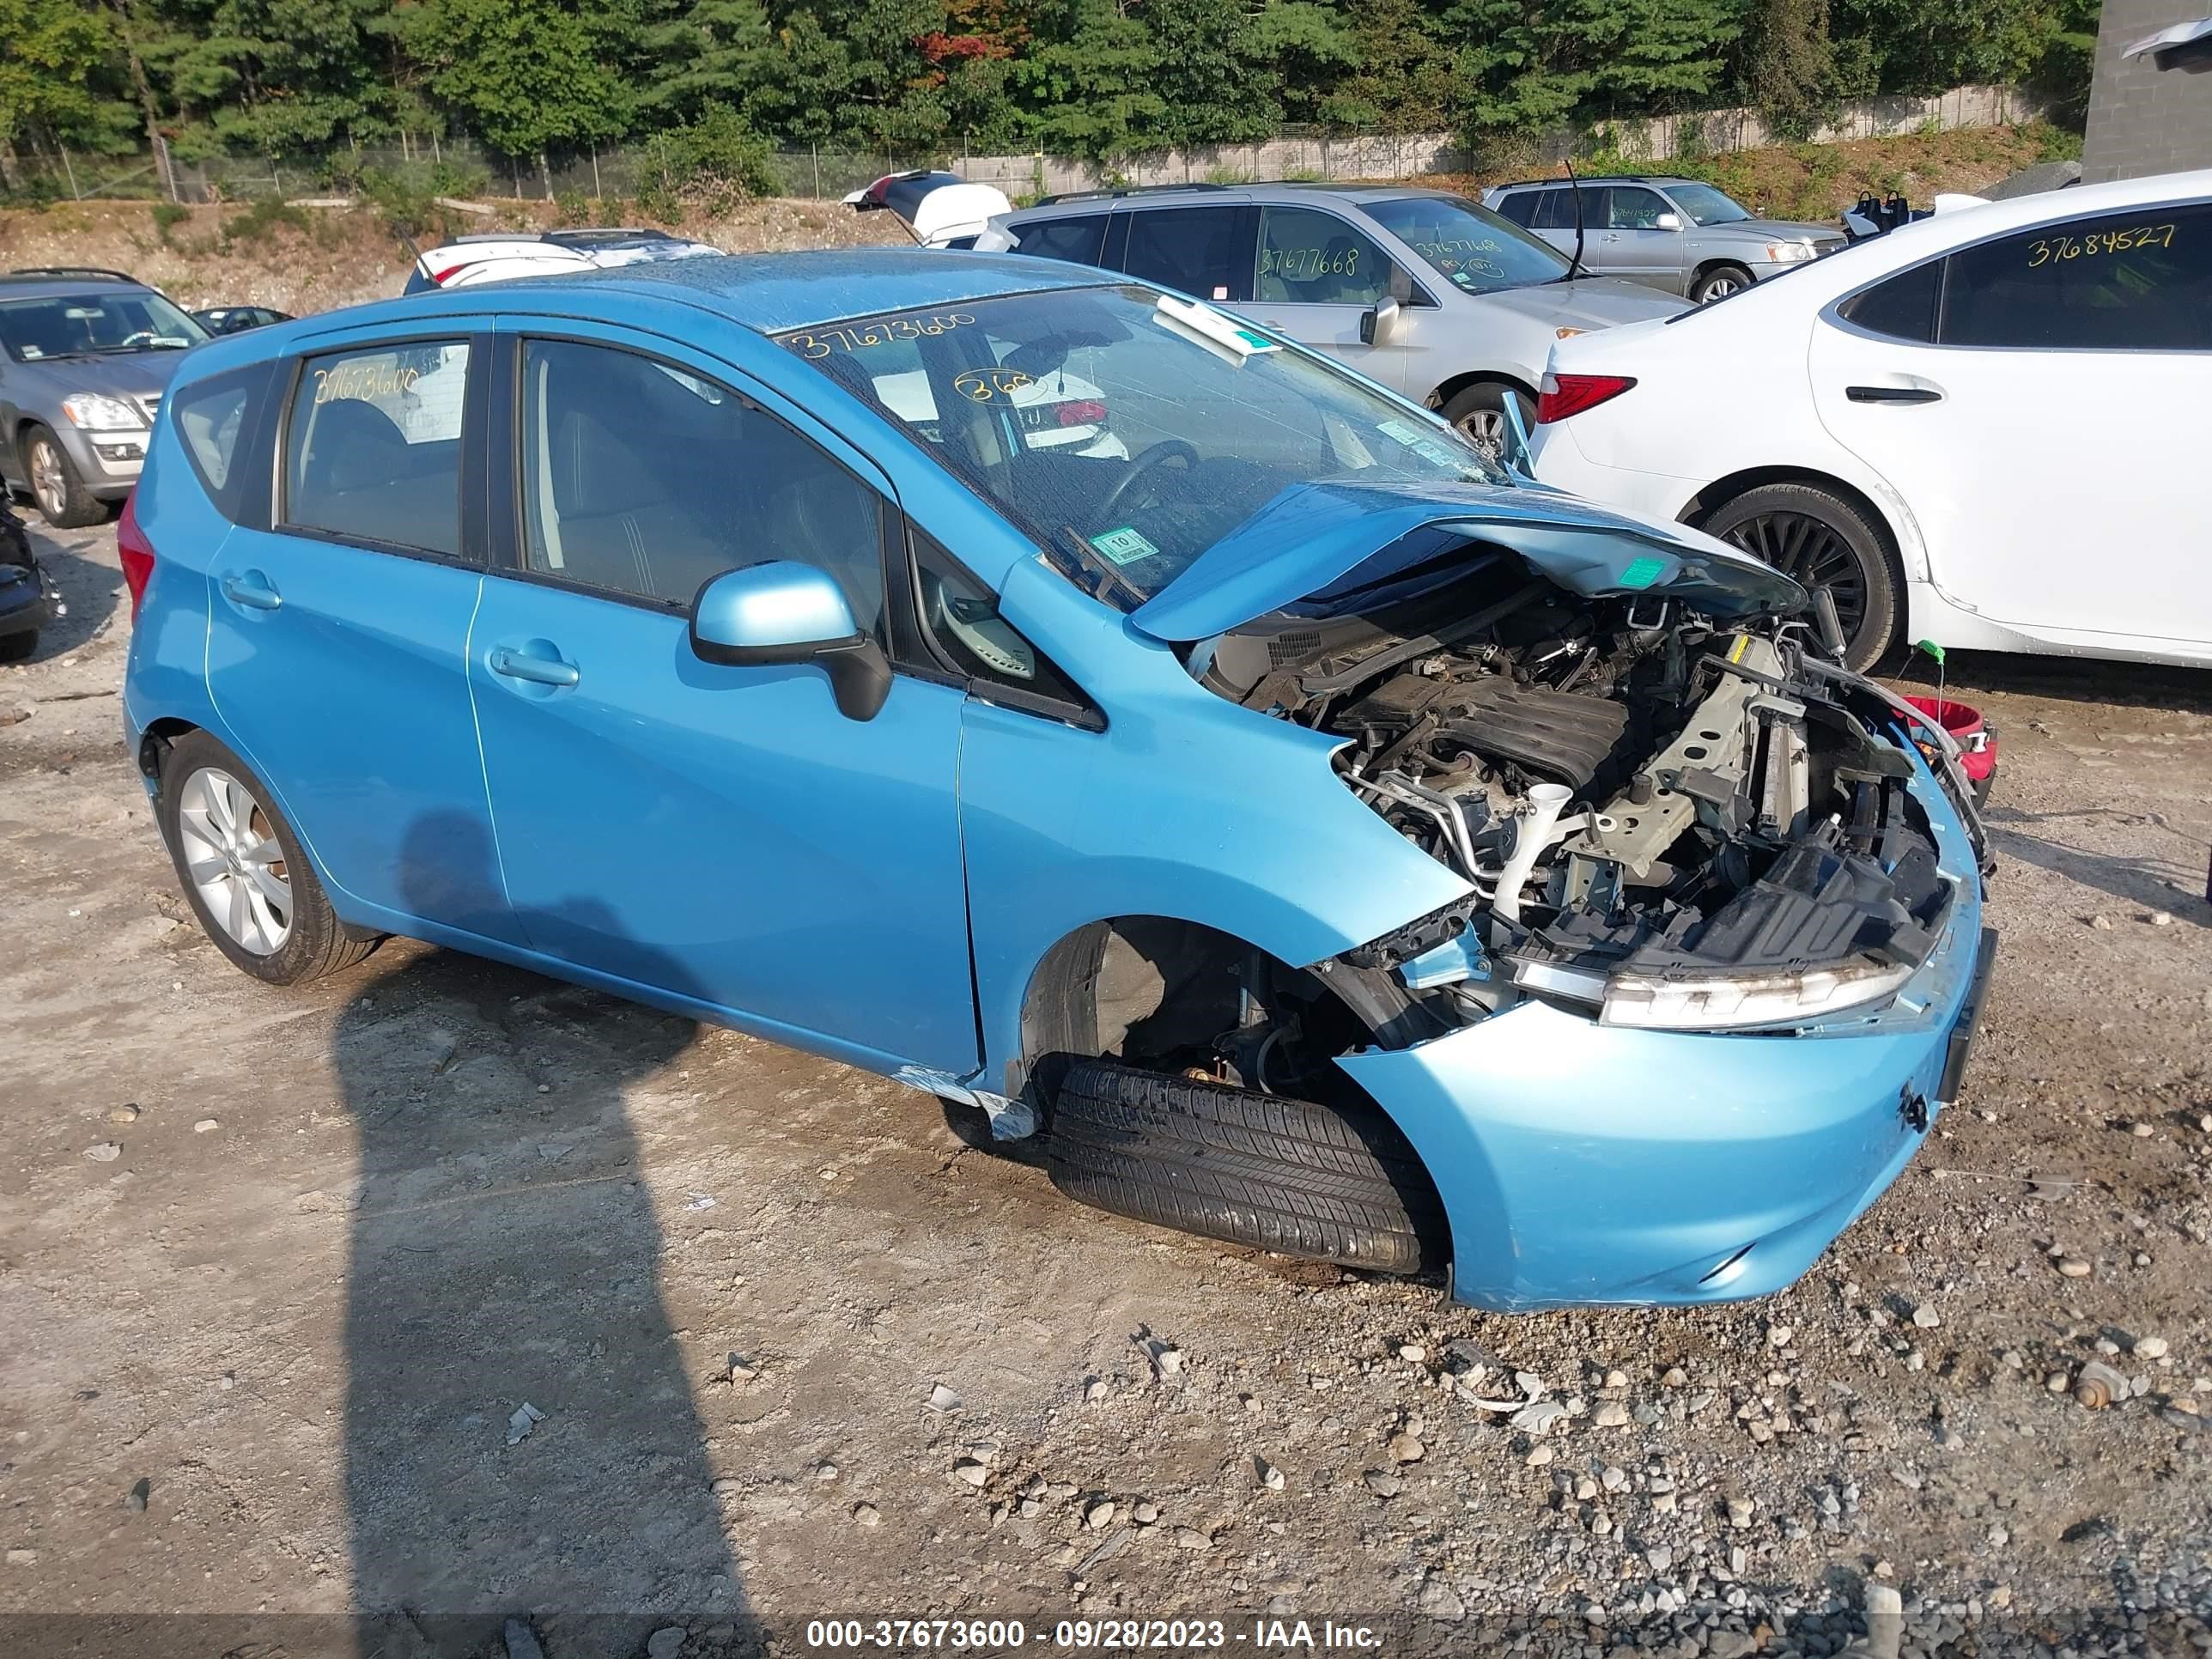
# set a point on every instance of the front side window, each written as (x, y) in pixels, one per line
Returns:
(373, 451)
(1471, 247)
(1188, 428)
(1204, 250)
(1632, 207)
(2135, 281)
(1706, 206)
(1309, 257)
(642, 479)
(1077, 241)
(95, 325)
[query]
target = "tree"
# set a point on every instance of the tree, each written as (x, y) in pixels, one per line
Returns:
(698, 52)
(529, 75)
(1218, 87)
(49, 50)
(1788, 65)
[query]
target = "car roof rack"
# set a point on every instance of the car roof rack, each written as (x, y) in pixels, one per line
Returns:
(1125, 190)
(100, 271)
(1596, 179)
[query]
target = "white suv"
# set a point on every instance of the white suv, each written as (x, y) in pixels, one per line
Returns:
(1987, 429)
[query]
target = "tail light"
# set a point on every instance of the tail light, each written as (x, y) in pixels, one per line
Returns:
(1563, 395)
(1082, 412)
(136, 552)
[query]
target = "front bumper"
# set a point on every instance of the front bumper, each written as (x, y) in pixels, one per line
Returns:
(1586, 1165)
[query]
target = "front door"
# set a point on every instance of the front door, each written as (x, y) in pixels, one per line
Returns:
(723, 835)
(1318, 276)
(337, 640)
(2039, 400)
(1632, 244)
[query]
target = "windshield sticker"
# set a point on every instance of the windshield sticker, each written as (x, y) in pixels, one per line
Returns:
(861, 337)
(2050, 250)
(1642, 573)
(1427, 444)
(1124, 546)
(983, 385)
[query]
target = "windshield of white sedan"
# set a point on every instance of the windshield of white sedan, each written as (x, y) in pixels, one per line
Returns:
(1707, 206)
(1480, 250)
(1125, 431)
(81, 325)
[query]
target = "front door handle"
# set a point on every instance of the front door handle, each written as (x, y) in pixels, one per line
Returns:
(252, 589)
(1892, 394)
(538, 671)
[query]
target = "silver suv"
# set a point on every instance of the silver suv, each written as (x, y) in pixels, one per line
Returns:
(1431, 294)
(1676, 234)
(85, 355)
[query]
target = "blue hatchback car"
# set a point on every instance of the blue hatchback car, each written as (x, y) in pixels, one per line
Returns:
(1068, 700)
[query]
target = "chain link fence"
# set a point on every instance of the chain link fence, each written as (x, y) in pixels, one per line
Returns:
(459, 167)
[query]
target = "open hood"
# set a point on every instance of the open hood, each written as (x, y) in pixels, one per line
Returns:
(1313, 534)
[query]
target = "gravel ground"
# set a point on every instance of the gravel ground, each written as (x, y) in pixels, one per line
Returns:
(279, 1273)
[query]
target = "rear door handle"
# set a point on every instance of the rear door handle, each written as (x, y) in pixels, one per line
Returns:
(252, 589)
(538, 671)
(1892, 394)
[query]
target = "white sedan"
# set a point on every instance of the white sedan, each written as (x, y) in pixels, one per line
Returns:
(1990, 428)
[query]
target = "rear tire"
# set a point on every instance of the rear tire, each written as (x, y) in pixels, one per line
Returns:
(1718, 283)
(1333, 1184)
(1823, 541)
(19, 648)
(63, 502)
(312, 942)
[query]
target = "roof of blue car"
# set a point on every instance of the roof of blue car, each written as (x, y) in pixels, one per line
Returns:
(775, 291)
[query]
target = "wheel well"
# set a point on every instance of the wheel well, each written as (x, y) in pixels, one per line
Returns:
(1707, 267)
(1719, 493)
(154, 744)
(1459, 383)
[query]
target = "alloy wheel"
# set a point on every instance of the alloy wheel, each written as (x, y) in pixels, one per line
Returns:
(46, 481)
(1811, 551)
(1486, 429)
(232, 855)
(1716, 288)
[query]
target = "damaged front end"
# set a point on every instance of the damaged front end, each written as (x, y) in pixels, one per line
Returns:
(1666, 820)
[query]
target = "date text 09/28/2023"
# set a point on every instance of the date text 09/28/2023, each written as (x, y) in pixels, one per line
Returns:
(1106, 1635)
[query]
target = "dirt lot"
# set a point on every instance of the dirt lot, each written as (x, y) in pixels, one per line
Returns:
(348, 1233)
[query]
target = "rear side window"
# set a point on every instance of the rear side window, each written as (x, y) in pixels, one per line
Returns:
(1078, 241)
(1206, 251)
(1556, 210)
(1903, 306)
(1520, 206)
(216, 421)
(373, 452)
(2135, 281)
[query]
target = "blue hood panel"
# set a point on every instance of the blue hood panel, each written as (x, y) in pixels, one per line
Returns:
(1313, 533)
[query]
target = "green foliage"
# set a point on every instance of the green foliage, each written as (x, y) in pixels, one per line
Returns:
(168, 216)
(715, 83)
(258, 225)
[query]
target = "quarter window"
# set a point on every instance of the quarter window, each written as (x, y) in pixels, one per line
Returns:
(1316, 259)
(214, 419)
(2135, 281)
(373, 452)
(1520, 207)
(962, 618)
(646, 480)
(1078, 241)
(1903, 306)
(1206, 251)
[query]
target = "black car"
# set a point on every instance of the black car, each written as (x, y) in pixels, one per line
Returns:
(27, 599)
(236, 319)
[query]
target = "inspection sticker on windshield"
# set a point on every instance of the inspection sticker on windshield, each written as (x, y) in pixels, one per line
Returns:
(1642, 573)
(1426, 444)
(1123, 546)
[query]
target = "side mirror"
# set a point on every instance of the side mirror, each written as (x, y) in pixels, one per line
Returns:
(1668, 221)
(1378, 323)
(786, 613)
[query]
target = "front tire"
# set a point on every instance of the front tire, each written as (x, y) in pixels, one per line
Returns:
(1293, 1176)
(1478, 412)
(63, 502)
(1823, 541)
(1718, 283)
(243, 872)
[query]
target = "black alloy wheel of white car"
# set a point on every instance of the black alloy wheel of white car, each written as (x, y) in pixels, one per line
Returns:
(1823, 541)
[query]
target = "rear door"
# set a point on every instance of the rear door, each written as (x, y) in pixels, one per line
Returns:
(2038, 399)
(338, 646)
(1318, 275)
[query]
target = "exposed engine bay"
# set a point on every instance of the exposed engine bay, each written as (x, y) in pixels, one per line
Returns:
(1666, 821)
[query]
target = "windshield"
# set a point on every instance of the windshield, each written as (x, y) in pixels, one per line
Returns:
(1479, 251)
(1125, 431)
(1706, 205)
(78, 325)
